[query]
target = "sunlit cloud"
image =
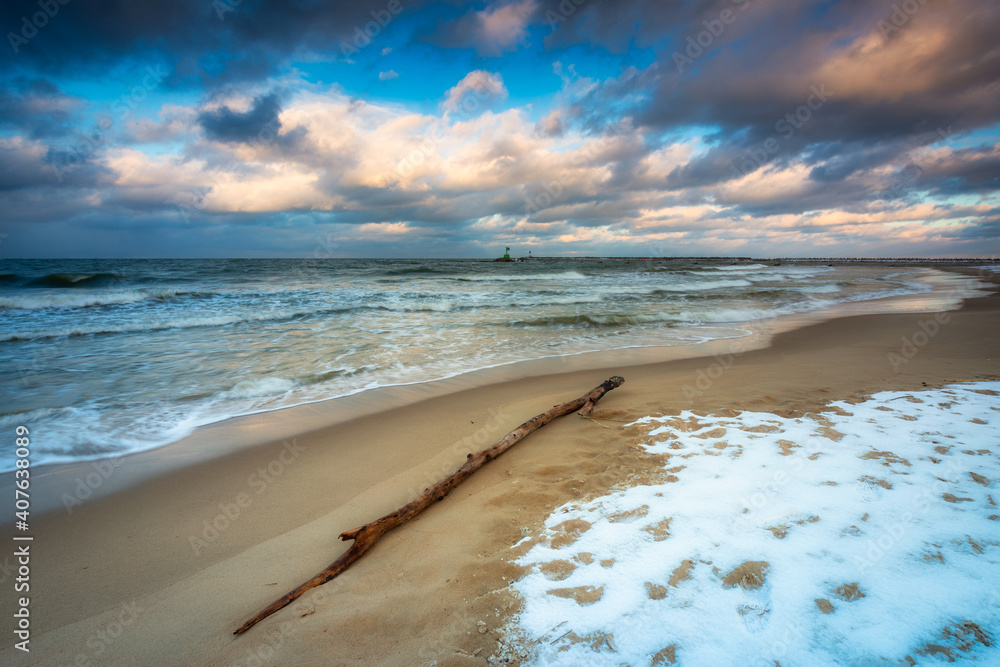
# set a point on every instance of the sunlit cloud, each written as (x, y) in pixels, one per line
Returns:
(813, 130)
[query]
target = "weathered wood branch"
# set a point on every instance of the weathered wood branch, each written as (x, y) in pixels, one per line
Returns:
(365, 536)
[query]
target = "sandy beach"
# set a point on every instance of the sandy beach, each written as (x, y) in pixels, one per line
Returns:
(270, 272)
(164, 568)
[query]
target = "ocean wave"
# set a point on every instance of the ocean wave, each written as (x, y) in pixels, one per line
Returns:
(703, 285)
(76, 280)
(162, 325)
(826, 288)
(609, 320)
(195, 322)
(663, 269)
(713, 316)
(789, 272)
(275, 386)
(737, 267)
(726, 315)
(418, 305)
(83, 300)
(257, 387)
(565, 275)
(418, 270)
(336, 374)
(672, 288)
(562, 300)
(19, 418)
(620, 290)
(80, 433)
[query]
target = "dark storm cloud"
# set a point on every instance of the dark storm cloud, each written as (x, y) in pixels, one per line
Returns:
(836, 160)
(715, 166)
(986, 228)
(37, 108)
(610, 24)
(767, 77)
(227, 125)
(616, 25)
(20, 168)
(207, 41)
(968, 170)
(469, 31)
(841, 112)
(28, 166)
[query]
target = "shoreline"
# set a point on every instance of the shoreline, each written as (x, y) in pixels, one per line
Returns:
(65, 484)
(109, 424)
(419, 595)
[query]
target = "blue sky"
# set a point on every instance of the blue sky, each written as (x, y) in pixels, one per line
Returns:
(403, 128)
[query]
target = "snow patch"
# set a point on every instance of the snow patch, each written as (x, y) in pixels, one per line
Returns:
(864, 534)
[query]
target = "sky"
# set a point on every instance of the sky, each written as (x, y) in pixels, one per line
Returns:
(405, 128)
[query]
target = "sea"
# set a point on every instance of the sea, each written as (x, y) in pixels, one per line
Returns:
(106, 357)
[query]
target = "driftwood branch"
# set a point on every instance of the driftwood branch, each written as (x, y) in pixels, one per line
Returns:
(365, 536)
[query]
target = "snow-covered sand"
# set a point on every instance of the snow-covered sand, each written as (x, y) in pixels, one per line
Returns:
(868, 534)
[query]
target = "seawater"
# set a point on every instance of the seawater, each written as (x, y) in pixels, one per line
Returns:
(103, 357)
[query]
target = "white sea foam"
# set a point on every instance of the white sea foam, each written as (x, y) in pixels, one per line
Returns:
(868, 534)
(739, 267)
(21, 418)
(45, 300)
(792, 273)
(162, 325)
(503, 277)
(418, 305)
(722, 315)
(702, 285)
(568, 300)
(827, 288)
(681, 286)
(198, 329)
(266, 386)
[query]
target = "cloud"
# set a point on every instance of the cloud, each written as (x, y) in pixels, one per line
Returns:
(946, 171)
(492, 31)
(501, 28)
(496, 176)
(174, 123)
(203, 43)
(37, 107)
(939, 70)
(552, 125)
(224, 124)
(756, 82)
(478, 87)
(734, 153)
(616, 26)
(23, 163)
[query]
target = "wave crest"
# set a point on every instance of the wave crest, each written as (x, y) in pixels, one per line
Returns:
(76, 280)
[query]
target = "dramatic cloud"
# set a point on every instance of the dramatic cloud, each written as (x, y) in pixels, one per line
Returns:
(211, 42)
(495, 30)
(37, 107)
(224, 124)
(394, 128)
